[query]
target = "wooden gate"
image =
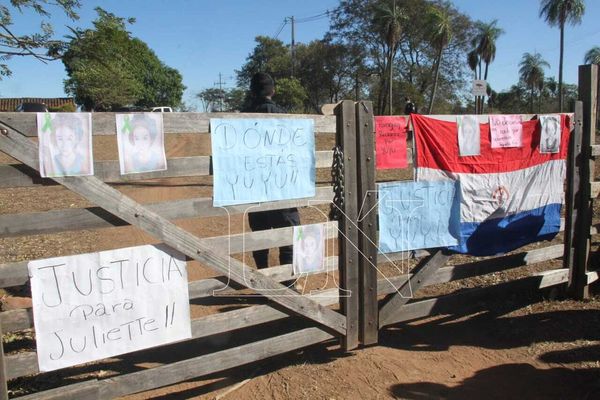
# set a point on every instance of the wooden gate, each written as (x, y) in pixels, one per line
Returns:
(111, 207)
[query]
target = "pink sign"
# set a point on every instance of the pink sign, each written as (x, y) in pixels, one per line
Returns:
(506, 131)
(390, 142)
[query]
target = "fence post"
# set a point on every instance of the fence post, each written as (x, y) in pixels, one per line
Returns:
(367, 223)
(3, 386)
(588, 94)
(348, 238)
(572, 192)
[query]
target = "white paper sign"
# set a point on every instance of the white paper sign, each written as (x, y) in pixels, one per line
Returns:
(469, 137)
(98, 305)
(550, 134)
(65, 144)
(479, 87)
(309, 248)
(141, 143)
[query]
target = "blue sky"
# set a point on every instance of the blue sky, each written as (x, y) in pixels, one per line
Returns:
(202, 38)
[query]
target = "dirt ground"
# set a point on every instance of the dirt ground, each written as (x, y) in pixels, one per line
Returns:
(526, 346)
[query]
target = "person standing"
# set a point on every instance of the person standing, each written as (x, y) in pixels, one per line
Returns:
(262, 89)
(409, 106)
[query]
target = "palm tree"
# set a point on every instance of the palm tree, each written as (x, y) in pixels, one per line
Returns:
(592, 56)
(440, 28)
(485, 46)
(531, 72)
(388, 18)
(558, 13)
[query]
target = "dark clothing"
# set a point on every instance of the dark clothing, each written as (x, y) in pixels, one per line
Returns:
(410, 108)
(271, 219)
(264, 106)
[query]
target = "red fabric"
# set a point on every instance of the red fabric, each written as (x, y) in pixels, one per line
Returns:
(390, 142)
(437, 147)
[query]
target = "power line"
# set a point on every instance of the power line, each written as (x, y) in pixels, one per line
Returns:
(283, 24)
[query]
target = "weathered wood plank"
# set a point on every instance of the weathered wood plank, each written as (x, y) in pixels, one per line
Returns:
(127, 209)
(95, 217)
(367, 223)
(23, 364)
(476, 268)
(572, 188)
(19, 175)
(349, 262)
(3, 370)
(103, 123)
(588, 95)
(88, 390)
(463, 300)
(594, 189)
(595, 151)
(420, 274)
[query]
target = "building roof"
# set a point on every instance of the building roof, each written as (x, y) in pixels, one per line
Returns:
(10, 104)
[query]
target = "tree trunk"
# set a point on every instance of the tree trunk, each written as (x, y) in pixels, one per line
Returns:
(435, 79)
(391, 77)
(560, 67)
(531, 100)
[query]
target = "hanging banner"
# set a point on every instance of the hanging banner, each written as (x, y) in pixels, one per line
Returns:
(390, 142)
(92, 306)
(258, 160)
(418, 215)
(509, 197)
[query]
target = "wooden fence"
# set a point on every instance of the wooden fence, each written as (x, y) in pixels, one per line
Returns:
(227, 339)
(112, 208)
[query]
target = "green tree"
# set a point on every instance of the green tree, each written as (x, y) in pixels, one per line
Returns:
(531, 72)
(388, 21)
(39, 45)
(440, 28)
(270, 56)
(290, 95)
(558, 13)
(108, 69)
(485, 47)
(212, 99)
(592, 56)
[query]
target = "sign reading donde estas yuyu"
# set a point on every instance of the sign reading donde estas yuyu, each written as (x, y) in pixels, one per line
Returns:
(92, 306)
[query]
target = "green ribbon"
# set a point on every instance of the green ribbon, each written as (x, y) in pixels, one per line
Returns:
(47, 123)
(300, 234)
(126, 125)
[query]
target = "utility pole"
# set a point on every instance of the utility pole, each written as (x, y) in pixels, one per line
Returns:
(293, 47)
(221, 95)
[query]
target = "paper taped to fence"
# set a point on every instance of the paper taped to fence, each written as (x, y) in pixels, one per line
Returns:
(509, 196)
(418, 215)
(390, 142)
(141, 142)
(65, 144)
(309, 248)
(92, 306)
(258, 160)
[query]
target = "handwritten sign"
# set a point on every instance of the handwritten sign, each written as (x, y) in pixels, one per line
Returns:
(390, 142)
(506, 131)
(256, 160)
(418, 215)
(92, 306)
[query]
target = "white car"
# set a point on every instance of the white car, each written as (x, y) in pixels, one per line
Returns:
(162, 109)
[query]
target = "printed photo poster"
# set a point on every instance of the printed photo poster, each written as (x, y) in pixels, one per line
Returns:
(418, 215)
(65, 144)
(262, 159)
(506, 131)
(92, 306)
(141, 143)
(390, 142)
(550, 133)
(469, 137)
(309, 248)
